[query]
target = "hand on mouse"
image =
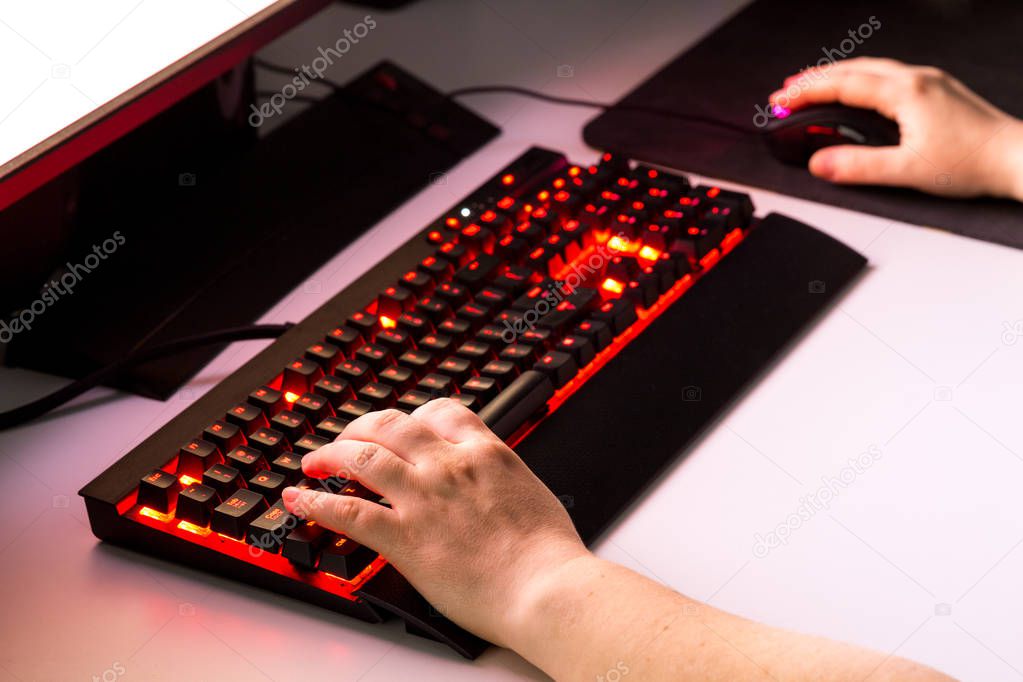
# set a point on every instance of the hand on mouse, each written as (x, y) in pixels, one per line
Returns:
(471, 527)
(954, 143)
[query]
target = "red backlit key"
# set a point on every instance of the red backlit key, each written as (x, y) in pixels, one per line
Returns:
(436, 343)
(596, 331)
(468, 400)
(267, 531)
(196, 456)
(196, 503)
(343, 557)
(331, 427)
(289, 464)
(454, 294)
(433, 309)
(514, 280)
(456, 254)
(366, 323)
(269, 400)
(455, 367)
(326, 355)
(268, 483)
(233, 516)
(559, 367)
(379, 395)
(335, 389)
(437, 268)
(300, 375)
(314, 406)
(302, 545)
(398, 376)
(537, 338)
(502, 371)
(158, 490)
(291, 424)
(492, 297)
(355, 372)
(484, 388)
(346, 338)
(353, 409)
(224, 435)
(418, 282)
(415, 324)
(511, 248)
(475, 352)
(617, 313)
(309, 442)
(393, 301)
(246, 460)
(375, 356)
(268, 441)
(579, 347)
(419, 361)
(394, 340)
(476, 314)
(519, 354)
(410, 400)
(222, 478)
(247, 416)
(436, 385)
(456, 328)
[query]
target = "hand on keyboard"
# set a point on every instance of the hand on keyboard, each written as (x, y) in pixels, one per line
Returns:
(954, 143)
(470, 525)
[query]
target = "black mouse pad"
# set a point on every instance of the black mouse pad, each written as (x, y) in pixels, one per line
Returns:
(732, 71)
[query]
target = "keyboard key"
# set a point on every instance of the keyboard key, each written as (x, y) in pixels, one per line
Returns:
(269, 441)
(222, 478)
(522, 399)
(479, 272)
(519, 354)
(355, 372)
(267, 531)
(436, 385)
(419, 361)
(233, 516)
(455, 328)
(335, 389)
(596, 331)
(353, 409)
(346, 338)
(617, 314)
(158, 490)
(379, 395)
(452, 293)
(484, 388)
(457, 368)
(196, 503)
(559, 367)
(418, 282)
(315, 407)
(393, 301)
(416, 324)
(476, 314)
(502, 371)
(269, 484)
(310, 442)
(196, 456)
(331, 427)
(302, 545)
(270, 401)
(468, 400)
(326, 355)
(437, 268)
(289, 465)
(224, 435)
(579, 347)
(436, 343)
(367, 324)
(433, 309)
(399, 377)
(247, 416)
(345, 558)
(396, 341)
(300, 375)
(475, 352)
(291, 424)
(246, 460)
(375, 356)
(410, 400)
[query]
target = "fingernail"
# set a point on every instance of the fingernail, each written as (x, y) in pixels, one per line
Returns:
(289, 495)
(822, 164)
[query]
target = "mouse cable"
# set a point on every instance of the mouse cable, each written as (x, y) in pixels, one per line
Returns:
(37, 408)
(554, 99)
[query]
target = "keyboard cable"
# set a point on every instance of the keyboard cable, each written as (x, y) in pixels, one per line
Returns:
(37, 408)
(554, 99)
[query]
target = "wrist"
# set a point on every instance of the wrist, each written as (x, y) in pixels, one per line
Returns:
(1008, 170)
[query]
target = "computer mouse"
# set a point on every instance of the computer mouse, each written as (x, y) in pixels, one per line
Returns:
(793, 136)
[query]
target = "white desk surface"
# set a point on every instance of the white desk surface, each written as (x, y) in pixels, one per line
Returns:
(919, 555)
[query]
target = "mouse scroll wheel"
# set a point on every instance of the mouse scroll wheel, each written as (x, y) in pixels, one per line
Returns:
(851, 133)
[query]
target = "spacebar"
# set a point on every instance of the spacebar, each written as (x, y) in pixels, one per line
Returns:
(517, 403)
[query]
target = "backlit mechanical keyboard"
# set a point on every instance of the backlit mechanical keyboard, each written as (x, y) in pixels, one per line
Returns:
(596, 317)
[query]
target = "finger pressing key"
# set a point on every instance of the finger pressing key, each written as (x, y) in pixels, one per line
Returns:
(368, 523)
(374, 465)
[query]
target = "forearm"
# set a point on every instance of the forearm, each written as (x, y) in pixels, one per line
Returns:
(594, 620)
